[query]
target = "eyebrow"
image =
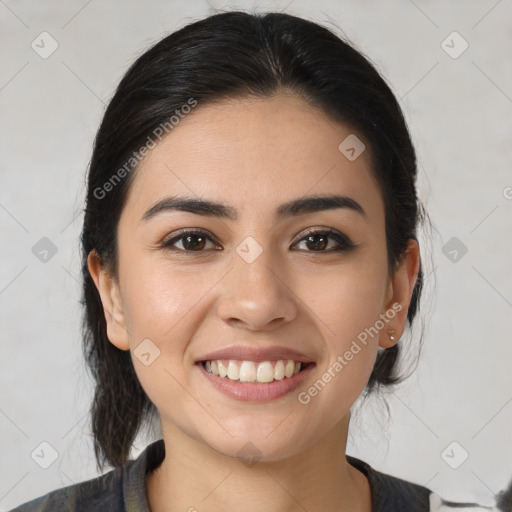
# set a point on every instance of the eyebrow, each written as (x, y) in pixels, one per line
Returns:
(292, 208)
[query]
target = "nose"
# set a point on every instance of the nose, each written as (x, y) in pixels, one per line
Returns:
(257, 295)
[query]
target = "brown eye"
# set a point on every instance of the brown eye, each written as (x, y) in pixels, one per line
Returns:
(192, 241)
(318, 241)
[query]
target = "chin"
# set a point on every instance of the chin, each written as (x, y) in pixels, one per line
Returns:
(254, 447)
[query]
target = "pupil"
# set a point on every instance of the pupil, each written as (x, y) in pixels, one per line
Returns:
(189, 245)
(321, 237)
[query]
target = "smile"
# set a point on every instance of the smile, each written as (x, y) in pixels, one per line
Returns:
(250, 381)
(253, 371)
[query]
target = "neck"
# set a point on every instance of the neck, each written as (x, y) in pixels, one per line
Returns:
(195, 477)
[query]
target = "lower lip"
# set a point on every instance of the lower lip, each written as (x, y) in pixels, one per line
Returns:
(255, 391)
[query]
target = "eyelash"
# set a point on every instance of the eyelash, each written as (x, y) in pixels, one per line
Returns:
(344, 243)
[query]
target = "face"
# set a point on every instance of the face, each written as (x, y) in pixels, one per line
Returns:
(268, 281)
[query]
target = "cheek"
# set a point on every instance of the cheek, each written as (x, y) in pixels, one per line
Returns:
(160, 298)
(348, 313)
(348, 303)
(166, 307)
(348, 299)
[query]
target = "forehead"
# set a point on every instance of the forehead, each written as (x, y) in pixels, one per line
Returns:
(253, 153)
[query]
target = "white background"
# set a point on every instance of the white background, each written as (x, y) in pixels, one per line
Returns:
(459, 111)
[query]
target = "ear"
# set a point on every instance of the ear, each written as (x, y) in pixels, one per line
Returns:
(399, 293)
(108, 289)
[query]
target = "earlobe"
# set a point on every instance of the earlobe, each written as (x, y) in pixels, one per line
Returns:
(108, 290)
(399, 294)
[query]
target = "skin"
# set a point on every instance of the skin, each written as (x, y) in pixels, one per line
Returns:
(254, 155)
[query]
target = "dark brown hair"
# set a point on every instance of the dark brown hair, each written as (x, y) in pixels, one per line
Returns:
(223, 56)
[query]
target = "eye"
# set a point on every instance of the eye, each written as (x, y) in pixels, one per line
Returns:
(319, 241)
(315, 240)
(191, 240)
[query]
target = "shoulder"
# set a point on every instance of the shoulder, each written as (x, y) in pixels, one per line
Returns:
(101, 493)
(118, 490)
(393, 494)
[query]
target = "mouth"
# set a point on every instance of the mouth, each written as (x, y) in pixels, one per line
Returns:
(255, 381)
(255, 374)
(259, 372)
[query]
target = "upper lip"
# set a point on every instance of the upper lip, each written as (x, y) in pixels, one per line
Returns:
(244, 353)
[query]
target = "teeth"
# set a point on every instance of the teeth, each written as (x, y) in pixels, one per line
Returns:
(289, 369)
(279, 370)
(265, 372)
(233, 371)
(223, 371)
(249, 371)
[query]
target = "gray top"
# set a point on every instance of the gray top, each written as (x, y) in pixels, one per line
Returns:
(123, 490)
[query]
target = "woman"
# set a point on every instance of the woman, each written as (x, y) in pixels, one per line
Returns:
(250, 264)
